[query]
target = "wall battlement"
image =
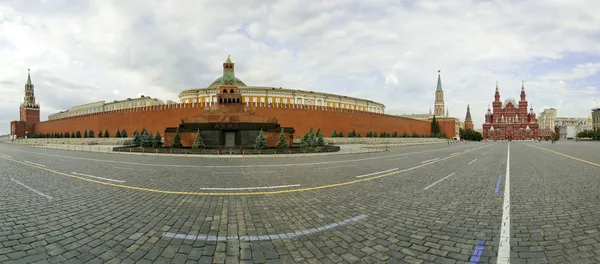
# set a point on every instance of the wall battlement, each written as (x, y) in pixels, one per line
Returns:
(300, 117)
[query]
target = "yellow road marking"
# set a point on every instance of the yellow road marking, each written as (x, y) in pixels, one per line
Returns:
(565, 155)
(238, 193)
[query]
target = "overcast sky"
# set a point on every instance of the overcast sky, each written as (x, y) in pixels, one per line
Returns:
(388, 51)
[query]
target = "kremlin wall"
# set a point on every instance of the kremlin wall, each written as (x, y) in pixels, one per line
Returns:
(362, 116)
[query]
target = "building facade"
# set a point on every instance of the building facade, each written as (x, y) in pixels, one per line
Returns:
(596, 118)
(569, 127)
(510, 120)
(102, 106)
(547, 120)
(254, 95)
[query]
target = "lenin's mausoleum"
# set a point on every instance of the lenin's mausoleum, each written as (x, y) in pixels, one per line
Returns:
(230, 113)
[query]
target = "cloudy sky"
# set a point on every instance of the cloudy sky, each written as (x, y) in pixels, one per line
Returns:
(383, 50)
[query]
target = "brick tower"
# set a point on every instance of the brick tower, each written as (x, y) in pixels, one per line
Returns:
(29, 112)
(229, 93)
(468, 121)
(439, 98)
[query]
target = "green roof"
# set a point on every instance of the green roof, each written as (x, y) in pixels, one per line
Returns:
(28, 77)
(218, 82)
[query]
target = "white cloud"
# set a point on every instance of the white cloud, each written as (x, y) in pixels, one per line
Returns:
(383, 50)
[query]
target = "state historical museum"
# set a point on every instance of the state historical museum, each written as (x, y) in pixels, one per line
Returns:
(509, 120)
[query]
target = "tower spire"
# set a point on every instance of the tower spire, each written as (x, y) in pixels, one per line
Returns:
(439, 82)
(228, 73)
(28, 77)
(522, 85)
(496, 85)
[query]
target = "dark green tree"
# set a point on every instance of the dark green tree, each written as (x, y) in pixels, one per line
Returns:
(157, 140)
(123, 133)
(198, 142)
(137, 138)
(261, 141)
(320, 141)
(177, 140)
(340, 134)
(415, 135)
(106, 135)
(333, 134)
(100, 133)
(72, 134)
(118, 134)
(78, 134)
(282, 142)
(91, 134)
(395, 134)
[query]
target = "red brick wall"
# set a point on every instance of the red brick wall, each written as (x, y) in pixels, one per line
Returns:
(447, 126)
(302, 118)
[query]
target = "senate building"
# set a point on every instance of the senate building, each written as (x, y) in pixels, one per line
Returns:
(510, 120)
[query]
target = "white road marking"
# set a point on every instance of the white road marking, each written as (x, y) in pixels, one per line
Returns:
(399, 158)
(5, 156)
(92, 176)
(429, 160)
(123, 168)
(229, 166)
(375, 173)
(455, 153)
(335, 167)
(440, 180)
(472, 161)
(33, 163)
(31, 189)
(249, 188)
(484, 153)
(504, 248)
(205, 237)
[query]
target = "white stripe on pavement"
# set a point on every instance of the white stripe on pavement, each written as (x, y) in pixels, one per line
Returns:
(96, 177)
(429, 187)
(33, 163)
(375, 173)
(31, 189)
(504, 248)
(472, 161)
(429, 160)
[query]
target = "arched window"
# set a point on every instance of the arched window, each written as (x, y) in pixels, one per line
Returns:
(224, 90)
(228, 100)
(231, 91)
(237, 100)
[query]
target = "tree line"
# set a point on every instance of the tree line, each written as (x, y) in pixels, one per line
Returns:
(78, 134)
(593, 134)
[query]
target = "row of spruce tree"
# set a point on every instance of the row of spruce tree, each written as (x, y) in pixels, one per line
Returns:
(374, 134)
(146, 139)
(78, 134)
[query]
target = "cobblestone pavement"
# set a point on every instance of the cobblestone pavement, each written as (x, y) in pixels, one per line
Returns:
(413, 204)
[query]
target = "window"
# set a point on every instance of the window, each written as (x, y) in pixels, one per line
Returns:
(262, 99)
(231, 91)
(194, 100)
(277, 100)
(224, 90)
(270, 100)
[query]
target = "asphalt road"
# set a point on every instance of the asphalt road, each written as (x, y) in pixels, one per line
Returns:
(413, 204)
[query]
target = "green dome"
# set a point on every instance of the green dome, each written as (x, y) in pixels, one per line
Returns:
(218, 82)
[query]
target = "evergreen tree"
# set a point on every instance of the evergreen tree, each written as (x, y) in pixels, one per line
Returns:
(320, 141)
(67, 135)
(91, 134)
(176, 140)
(369, 134)
(137, 138)
(415, 134)
(358, 135)
(118, 134)
(261, 141)
(282, 142)
(304, 142)
(124, 133)
(106, 135)
(312, 139)
(78, 134)
(405, 134)
(334, 134)
(99, 133)
(198, 143)
(146, 140)
(395, 134)
(157, 141)
(374, 134)
(72, 134)
(341, 134)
